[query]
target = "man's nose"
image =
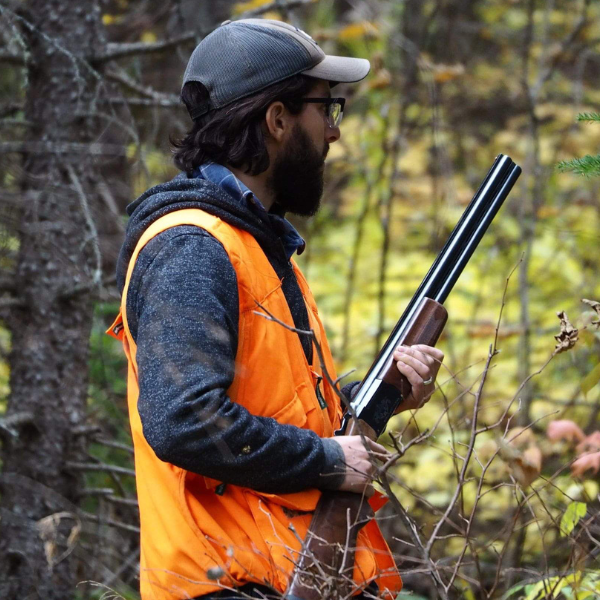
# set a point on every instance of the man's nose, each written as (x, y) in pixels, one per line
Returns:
(332, 134)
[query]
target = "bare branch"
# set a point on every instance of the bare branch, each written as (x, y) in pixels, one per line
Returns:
(115, 51)
(96, 148)
(109, 522)
(9, 109)
(124, 79)
(9, 425)
(151, 102)
(116, 445)
(12, 58)
(77, 466)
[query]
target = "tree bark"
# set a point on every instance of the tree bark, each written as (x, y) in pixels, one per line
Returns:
(58, 269)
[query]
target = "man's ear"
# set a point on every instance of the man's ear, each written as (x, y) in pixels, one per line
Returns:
(278, 121)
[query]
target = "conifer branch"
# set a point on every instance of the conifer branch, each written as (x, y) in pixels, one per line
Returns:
(589, 117)
(587, 166)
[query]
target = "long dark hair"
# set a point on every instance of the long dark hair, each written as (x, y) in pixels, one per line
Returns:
(234, 135)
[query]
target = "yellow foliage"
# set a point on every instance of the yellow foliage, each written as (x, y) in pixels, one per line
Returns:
(4, 378)
(382, 79)
(359, 30)
(148, 37)
(242, 7)
(443, 73)
(109, 19)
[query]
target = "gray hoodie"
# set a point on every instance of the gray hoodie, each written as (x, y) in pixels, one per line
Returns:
(182, 309)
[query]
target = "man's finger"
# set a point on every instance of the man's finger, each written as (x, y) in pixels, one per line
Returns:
(414, 377)
(432, 351)
(378, 449)
(422, 368)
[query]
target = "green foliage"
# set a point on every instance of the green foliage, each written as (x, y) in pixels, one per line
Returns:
(588, 166)
(575, 586)
(574, 512)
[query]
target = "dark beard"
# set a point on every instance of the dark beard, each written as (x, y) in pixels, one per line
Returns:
(297, 178)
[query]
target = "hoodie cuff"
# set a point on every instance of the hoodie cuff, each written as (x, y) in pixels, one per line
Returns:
(349, 391)
(334, 470)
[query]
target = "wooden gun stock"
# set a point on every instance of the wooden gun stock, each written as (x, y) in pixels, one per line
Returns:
(328, 554)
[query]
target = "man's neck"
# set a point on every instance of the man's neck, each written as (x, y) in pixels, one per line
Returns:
(257, 184)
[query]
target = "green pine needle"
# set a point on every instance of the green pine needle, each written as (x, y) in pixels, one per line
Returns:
(589, 117)
(588, 166)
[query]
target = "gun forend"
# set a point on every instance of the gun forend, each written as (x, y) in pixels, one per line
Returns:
(378, 398)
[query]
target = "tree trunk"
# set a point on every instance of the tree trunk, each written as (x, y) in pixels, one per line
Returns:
(58, 270)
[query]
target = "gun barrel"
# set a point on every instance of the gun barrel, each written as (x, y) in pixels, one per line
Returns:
(448, 266)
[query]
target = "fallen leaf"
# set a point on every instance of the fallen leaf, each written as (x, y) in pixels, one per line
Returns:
(564, 430)
(568, 335)
(585, 463)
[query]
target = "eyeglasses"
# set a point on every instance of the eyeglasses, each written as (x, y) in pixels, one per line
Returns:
(334, 108)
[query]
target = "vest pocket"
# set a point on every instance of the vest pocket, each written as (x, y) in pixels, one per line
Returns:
(292, 413)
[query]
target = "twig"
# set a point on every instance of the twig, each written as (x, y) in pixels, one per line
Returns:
(124, 79)
(110, 522)
(467, 457)
(93, 232)
(95, 149)
(12, 58)
(78, 466)
(9, 425)
(115, 51)
(111, 444)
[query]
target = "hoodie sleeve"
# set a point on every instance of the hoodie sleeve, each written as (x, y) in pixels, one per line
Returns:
(182, 309)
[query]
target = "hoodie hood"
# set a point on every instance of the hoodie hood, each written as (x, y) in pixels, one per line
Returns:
(182, 193)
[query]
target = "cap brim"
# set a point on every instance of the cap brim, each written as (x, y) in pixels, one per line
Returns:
(341, 69)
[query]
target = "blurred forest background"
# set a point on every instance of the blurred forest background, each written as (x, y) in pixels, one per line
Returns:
(495, 493)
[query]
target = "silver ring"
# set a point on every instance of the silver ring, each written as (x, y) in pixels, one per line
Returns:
(427, 381)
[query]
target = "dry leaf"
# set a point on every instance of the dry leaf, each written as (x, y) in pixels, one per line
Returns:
(585, 463)
(564, 430)
(596, 307)
(48, 529)
(568, 335)
(533, 458)
(382, 79)
(443, 73)
(519, 437)
(355, 31)
(525, 466)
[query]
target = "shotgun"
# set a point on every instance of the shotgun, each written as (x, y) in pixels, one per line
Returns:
(331, 539)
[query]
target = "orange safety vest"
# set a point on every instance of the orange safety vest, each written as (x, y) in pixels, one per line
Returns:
(188, 524)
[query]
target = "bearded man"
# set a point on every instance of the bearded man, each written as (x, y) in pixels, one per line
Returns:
(232, 419)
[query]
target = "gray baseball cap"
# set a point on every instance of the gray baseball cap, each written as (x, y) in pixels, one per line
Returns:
(242, 57)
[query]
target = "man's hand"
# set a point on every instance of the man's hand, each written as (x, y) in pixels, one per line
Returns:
(360, 467)
(420, 365)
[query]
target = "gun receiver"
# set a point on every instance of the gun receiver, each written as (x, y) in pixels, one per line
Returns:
(331, 539)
